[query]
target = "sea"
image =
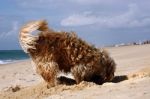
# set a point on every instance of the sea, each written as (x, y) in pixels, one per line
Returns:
(10, 56)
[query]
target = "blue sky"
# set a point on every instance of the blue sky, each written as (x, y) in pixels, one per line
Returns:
(100, 22)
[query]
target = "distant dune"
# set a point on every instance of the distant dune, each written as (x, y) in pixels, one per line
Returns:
(132, 79)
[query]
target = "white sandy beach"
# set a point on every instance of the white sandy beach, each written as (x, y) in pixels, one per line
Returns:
(132, 81)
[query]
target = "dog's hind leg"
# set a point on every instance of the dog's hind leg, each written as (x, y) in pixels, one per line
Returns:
(49, 73)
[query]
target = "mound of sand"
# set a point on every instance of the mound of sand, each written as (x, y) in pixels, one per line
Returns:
(145, 72)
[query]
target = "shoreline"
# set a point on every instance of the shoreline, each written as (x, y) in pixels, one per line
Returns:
(14, 61)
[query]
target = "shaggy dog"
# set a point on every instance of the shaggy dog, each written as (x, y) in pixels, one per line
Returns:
(52, 52)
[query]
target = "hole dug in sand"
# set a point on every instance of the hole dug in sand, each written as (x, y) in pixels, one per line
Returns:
(66, 81)
(118, 79)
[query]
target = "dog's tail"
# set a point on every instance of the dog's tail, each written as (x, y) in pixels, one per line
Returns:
(27, 40)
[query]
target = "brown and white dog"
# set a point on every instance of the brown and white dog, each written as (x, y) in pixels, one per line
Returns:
(52, 52)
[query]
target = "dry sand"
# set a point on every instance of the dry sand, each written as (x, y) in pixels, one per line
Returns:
(132, 81)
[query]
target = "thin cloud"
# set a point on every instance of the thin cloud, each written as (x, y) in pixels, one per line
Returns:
(130, 18)
(88, 1)
(79, 20)
(41, 4)
(12, 32)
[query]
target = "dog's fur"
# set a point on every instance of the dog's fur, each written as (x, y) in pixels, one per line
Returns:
(53, 51)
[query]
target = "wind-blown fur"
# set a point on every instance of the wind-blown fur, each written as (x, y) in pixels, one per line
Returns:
(53, 51)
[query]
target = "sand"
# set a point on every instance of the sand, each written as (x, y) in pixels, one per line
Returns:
(132, 79)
